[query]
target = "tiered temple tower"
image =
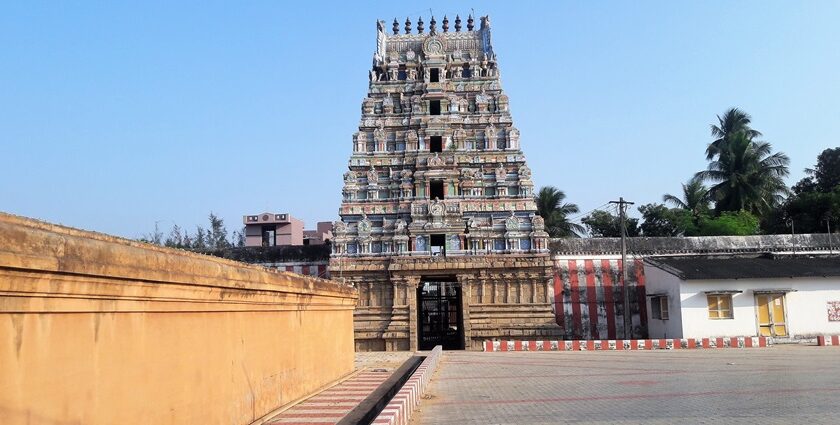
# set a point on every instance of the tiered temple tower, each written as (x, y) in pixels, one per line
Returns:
(438, 228)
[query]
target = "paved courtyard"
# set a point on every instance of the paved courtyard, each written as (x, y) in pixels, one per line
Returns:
(778, 385)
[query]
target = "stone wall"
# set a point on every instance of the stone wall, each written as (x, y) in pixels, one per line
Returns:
(503, 296)
(100, 330)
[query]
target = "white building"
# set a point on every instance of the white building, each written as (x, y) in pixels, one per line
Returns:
(783, 296)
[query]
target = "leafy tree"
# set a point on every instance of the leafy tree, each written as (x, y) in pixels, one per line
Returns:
(602, 224)
(175, 238)
(659, 220)
(217, 234)
(747, 176)
(200, 239)
(695, 197)
(732, 122)
(730, 223)
(825, 176)
(555, 212)
(239, 238)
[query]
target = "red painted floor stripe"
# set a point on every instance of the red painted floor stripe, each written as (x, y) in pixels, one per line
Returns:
(719, 342)
(517, 345)
(503, 345)
(532, 345)
(313, 415)
(835, 340)
(748, 342)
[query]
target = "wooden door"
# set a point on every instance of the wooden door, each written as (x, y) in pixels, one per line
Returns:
(771, 314)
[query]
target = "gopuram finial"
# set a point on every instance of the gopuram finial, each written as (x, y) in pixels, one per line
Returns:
(432, 24)
(470, 25)
(407, 26)
(445, 24)
(420, 25)
(457, 23)
(396, 27)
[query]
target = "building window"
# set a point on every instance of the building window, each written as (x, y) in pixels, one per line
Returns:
(720, 306)
(434, 75)
(434, 107)
(659, 307)
(269, 236)
(436, 144)
(436, 189)
(438, 244)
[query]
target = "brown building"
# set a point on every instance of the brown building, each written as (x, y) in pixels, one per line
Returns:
(279, 229)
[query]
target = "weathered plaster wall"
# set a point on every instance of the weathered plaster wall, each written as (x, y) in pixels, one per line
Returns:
(100, 330)
(588, 297)
(807, 310)
(659, 281)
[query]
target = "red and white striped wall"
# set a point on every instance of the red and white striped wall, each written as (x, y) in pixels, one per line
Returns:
(588, 300)
(828, 340)
(400, 408)
(628, 344)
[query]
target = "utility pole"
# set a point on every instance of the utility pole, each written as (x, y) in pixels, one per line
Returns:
(625, 292)
(828, 227)
(792, 234)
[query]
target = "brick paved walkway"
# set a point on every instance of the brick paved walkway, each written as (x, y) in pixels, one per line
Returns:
(779, 385)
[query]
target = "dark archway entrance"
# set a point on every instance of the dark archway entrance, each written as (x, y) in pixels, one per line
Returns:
(440, 320)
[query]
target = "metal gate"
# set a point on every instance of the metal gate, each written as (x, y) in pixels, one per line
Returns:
(440, 317)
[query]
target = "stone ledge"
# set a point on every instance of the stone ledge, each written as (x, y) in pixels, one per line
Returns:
(407, 399)
(28, 245)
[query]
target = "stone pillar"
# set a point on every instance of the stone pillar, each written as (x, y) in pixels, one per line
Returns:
(411, 299)
(466, 295)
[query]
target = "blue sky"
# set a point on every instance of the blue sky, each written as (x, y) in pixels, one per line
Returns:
(116, 116)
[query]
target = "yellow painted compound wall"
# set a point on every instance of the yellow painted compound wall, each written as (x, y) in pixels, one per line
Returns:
(101, 330)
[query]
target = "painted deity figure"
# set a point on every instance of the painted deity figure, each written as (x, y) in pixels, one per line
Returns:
(379, 137)
(388, 105)
(501, 173)
(411, 140)
(372, 176)
(482, 101)
(490, 136)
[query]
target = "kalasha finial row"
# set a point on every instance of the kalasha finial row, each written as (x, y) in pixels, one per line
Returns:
(433, 25)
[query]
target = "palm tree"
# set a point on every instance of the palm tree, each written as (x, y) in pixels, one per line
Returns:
(550, 207)
(695, 197)
(747, 175)
(732, 122)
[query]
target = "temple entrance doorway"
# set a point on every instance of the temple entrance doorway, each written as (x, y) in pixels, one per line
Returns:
(440, 320)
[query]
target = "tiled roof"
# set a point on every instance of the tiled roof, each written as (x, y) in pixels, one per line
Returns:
(766, 266)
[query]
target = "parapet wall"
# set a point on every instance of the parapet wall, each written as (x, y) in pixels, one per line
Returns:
(101, 330)
(695, 244)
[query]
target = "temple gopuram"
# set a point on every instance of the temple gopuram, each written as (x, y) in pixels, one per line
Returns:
(439, 229)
